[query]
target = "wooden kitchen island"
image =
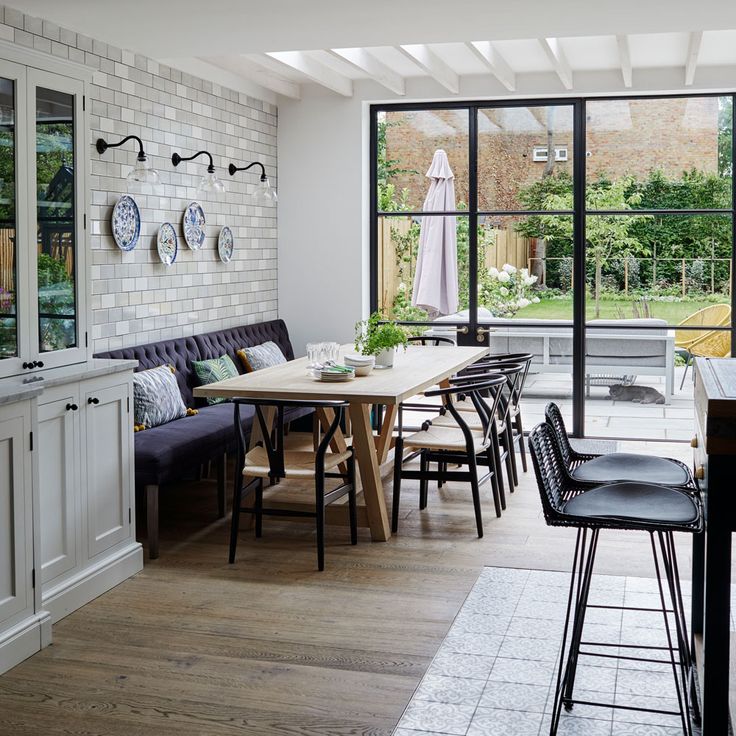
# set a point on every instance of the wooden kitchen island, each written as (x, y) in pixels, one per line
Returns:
(714, 447)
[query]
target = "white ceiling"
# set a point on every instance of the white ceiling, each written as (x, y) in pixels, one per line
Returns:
(284, 44)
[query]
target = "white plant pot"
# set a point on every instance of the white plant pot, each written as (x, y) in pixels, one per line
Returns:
(385, 359)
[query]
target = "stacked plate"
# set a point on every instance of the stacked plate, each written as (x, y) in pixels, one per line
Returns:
(343, 373)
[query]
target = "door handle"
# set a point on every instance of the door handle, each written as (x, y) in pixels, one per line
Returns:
(480, 332)
(93, 400)
(71, 407)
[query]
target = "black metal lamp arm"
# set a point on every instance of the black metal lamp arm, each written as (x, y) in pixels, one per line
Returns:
(102, 145)
(176, 159)
(233, 168)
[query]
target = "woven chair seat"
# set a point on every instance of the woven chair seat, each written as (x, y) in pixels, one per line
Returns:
(635, 505)
(297, 464)
(624, 466)
(447, 420)
(449, 437)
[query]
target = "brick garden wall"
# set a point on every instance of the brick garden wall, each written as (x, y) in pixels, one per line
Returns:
(135, 298)
(624, 137)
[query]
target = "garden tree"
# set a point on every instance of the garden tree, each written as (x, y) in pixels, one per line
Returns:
(725, 135)
(669, 237)
(606, 236)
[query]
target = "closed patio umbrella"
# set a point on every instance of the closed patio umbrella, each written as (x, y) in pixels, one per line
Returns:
(435, 280)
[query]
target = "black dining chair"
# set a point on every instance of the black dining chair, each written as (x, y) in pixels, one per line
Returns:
(514, 397)
(629, 506)
(270, 460)
(501, 431)
(456, 445)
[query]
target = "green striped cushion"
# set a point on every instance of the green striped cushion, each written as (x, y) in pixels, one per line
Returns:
(213, 370)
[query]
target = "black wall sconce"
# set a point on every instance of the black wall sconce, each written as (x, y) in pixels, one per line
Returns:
(209, 182)
(262, 194)
(143, 178)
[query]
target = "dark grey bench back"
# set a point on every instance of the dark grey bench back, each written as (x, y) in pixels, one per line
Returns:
(182, 351)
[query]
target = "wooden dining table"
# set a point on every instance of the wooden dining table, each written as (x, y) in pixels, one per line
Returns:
(414, 370)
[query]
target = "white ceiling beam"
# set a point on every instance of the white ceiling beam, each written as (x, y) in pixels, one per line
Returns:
(251, 67)
(422, 55)
(365, 61)
(556, 55)
(693, 52)
(497, 65)
(315, 71)
(624, 57)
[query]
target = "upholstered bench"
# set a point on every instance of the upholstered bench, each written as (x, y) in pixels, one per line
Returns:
(178, 449)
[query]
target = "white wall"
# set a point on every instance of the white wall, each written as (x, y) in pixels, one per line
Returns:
(321, 229)
(323, 196)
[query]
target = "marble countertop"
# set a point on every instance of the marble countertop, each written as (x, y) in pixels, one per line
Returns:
(13, 389)
(20, 388)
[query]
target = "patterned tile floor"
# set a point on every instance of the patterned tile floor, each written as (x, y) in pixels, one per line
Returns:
(494, 672)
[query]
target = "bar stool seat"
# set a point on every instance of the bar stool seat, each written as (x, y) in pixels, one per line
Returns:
(623, 466)
(647, 504)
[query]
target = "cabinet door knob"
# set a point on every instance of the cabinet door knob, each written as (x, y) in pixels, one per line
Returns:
(71, 407)
(93, 400)
(39, 364)
(694, 442)
(27, 365)
(700, 472)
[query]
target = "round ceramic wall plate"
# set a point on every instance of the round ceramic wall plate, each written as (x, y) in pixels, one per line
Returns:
(194, 229)
(167, 243)
(126, 223)
(226, 244)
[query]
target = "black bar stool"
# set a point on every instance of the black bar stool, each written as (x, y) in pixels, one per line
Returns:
(594, 469)
(634, 506)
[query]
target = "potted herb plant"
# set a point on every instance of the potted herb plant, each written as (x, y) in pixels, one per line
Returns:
(380, 338)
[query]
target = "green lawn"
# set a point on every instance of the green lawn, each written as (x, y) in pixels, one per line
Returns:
(673, 312)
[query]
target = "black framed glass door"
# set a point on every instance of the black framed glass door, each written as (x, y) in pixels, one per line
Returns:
(562, 211)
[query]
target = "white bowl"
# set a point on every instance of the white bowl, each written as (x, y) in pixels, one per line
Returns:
(360, 360)
(363, 370)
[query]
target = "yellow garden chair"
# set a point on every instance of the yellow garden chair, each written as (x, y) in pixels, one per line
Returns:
(705, 343)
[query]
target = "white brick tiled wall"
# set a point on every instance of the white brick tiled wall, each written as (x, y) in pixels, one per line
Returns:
(135, 298)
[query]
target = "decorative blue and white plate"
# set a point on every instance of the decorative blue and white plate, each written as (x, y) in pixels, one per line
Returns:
(225, 244)
(194, 229)
(126, 223)
(167, 243)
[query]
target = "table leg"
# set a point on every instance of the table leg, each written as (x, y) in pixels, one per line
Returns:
(383, 441)
(269, 412)
(368, 463)
(337, 443)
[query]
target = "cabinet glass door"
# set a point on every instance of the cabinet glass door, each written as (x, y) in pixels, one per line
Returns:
(56, 247)
(9, 347)
(58, 200)
(14, 339)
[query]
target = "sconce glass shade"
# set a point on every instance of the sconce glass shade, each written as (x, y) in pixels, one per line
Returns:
(210, 184)
(143, 179)
(263, 193)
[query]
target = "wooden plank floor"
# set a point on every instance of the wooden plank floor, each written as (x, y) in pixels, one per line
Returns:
(193, 646)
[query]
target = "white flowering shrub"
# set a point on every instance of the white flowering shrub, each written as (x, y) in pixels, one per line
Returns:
(507, 291)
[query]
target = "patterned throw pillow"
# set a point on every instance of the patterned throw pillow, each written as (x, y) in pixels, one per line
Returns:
(261, 356)
(213, 370)
(156, 397)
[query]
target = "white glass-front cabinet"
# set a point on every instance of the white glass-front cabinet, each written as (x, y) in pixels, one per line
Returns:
(43, 283)
(66, 452)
